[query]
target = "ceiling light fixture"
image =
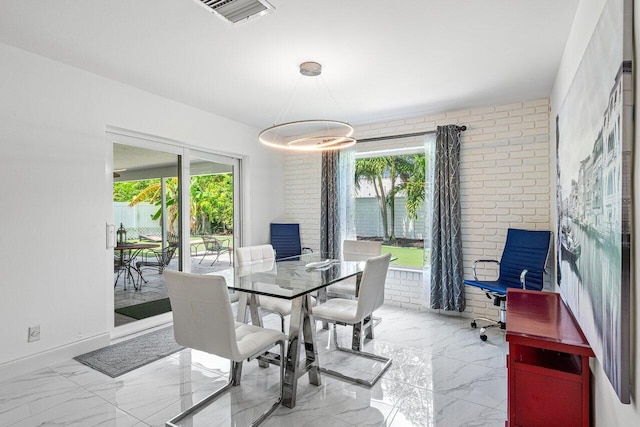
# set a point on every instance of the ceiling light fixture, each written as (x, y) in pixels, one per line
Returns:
(309, 135)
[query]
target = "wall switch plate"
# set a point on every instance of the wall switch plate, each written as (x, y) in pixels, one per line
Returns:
(34, 333)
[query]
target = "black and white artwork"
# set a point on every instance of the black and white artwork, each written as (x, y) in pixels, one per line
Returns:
(594, 140)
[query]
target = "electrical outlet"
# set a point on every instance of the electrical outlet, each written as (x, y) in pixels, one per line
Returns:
(34, 333)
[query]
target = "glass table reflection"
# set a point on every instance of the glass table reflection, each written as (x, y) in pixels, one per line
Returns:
(291, 279)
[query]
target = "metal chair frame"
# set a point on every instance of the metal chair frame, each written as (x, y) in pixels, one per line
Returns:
(163, 258)
(358, 328)
(215, 246)
(235, 374)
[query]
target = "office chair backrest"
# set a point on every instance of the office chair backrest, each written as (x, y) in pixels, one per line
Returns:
(202, 316)
(371, 294)
(251, 254)
(525, 250)
(285, 239)
(360, 250)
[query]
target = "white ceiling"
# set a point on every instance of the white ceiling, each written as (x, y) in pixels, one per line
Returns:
(381, 59)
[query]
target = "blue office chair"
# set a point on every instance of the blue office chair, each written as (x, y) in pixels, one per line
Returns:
(522, 266)
(285, 239)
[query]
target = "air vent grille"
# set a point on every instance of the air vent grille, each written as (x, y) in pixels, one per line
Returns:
(236, 10)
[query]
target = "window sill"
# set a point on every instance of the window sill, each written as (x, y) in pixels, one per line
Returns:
(408, 269)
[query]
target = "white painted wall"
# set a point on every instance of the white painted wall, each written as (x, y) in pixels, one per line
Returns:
(504, 177)
(607, 409)
(54, 267)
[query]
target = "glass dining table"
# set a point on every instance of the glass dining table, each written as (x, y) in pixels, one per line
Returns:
(293, 279)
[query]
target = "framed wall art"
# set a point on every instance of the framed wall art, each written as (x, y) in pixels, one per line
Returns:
(594, 157)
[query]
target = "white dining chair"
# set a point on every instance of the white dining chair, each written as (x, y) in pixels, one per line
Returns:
(203, 320)
(358, 313)
(262, 253)
(353, 250)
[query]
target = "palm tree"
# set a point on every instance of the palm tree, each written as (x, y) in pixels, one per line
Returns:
(372, 169)
(153, 194)
(405, 173)
(413, 183)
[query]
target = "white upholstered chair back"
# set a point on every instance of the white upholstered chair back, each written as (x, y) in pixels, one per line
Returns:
(250, 254)
(202, 316)
(371, 294)
(360, 250)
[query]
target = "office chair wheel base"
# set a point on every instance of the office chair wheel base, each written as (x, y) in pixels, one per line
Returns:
(474, 325)
(483, 337)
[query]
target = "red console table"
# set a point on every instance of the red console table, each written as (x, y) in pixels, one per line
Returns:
(548, 362)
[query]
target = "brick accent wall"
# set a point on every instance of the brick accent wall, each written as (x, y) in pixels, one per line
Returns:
(505, 182)
(302, 195)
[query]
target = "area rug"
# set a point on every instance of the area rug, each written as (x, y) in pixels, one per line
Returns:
(146, 309)
(118, 359)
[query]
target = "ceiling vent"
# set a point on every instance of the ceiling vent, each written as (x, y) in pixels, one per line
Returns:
(236, 10)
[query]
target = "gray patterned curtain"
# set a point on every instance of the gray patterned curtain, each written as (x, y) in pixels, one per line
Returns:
(329, 220)
(447, 290)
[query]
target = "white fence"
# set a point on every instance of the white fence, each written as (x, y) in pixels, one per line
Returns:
(369, 221)
(136, 218)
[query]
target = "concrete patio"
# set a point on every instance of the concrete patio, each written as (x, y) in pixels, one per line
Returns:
(154, 289)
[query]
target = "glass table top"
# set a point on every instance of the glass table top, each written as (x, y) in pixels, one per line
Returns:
(289, 278)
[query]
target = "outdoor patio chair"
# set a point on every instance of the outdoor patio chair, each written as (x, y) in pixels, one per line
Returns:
(216, 247)
(122, 267)
(162, 259)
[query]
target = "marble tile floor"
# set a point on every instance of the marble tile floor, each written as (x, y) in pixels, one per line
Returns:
(442, 375)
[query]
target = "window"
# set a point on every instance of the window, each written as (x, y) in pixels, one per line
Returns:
(390, 202)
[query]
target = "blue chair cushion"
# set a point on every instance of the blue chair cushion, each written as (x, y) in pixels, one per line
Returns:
(489, 286)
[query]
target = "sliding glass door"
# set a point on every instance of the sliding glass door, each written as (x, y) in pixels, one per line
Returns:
(173, 208)
(146, 213)
(212, 212)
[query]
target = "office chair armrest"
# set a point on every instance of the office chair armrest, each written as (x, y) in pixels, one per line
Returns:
(523, 276)
(475, 276)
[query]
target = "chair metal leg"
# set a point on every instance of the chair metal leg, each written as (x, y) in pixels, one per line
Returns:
(369, 383)
(269, 411)
(502, 323)
(208, 399)
(234, 380)
(215, 260)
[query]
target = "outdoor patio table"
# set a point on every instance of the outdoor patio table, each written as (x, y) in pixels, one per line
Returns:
(134, 250)
(293, 280)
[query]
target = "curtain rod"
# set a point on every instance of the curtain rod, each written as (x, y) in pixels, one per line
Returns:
(404, 135)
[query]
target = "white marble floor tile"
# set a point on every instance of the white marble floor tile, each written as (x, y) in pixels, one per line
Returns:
(80, 410)
(32, 394)
(426, 408)
(468, 381)
(441, 374)
(156, 386)
(349, 403)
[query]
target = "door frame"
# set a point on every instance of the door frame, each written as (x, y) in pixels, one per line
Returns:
(184, 152)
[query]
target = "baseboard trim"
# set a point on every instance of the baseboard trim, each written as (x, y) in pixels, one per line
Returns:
(132, 329)
(34, 362)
